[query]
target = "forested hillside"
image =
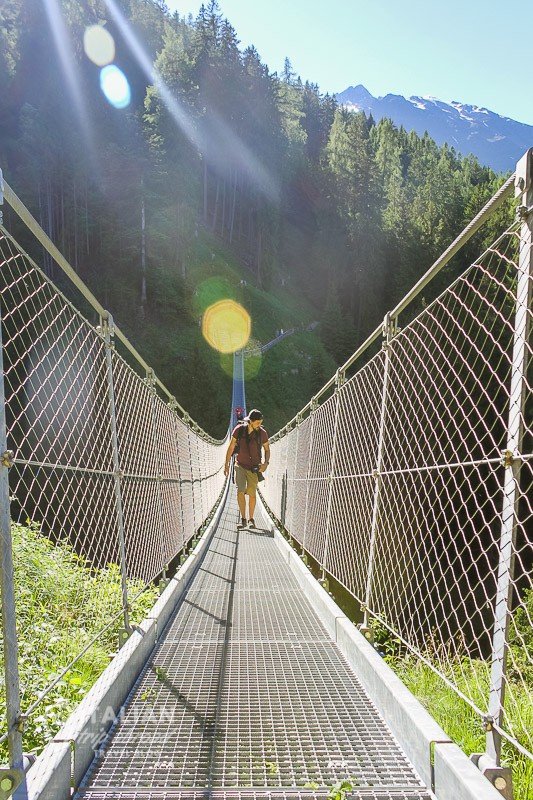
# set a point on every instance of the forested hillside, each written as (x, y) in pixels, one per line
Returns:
(249, 183)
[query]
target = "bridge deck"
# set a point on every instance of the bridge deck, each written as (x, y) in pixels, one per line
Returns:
(247, 696)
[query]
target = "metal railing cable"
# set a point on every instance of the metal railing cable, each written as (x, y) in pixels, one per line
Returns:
(103, 484)
(411, 483)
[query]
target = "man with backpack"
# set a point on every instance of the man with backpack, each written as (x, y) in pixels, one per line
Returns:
(247, 440)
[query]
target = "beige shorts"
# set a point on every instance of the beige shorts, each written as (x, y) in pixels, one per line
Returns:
(246, 480)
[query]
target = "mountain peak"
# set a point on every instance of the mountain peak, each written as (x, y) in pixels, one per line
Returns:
(355, 95)
(496, 141)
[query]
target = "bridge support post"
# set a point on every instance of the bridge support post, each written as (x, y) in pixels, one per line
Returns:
(1, 197)
(512, 460)
(150, 380)
(290, 513)
(339, 383)
(188, 535)
(314, 405)
(389, 330)
(108, 332)
(173, 405)
(11, 671)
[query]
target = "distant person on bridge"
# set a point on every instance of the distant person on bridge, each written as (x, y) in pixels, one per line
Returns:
(248, 439)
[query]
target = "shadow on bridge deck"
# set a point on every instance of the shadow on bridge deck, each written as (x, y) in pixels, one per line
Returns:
(246, 696)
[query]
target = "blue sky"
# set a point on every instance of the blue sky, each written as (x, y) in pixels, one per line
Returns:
(473, 51)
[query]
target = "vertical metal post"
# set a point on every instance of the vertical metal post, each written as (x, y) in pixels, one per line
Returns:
(339, 383)
(173, 405)
(197, 529)
(109, 332)
(512, 458)
(11, 671)
(1, 197)
(151, 383)
(313, 410)
(388, 333)
(295, 457)
(187, 421)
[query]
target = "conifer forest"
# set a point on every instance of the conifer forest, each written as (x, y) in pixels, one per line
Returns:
(249, 182)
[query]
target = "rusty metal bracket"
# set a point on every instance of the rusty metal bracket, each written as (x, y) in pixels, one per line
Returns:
(10, 779)
(507, 458)
(6, 459)
(500, 777)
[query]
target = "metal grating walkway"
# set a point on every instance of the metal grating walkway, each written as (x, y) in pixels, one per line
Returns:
(247, 696)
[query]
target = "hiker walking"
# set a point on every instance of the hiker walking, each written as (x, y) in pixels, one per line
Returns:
(247, 440)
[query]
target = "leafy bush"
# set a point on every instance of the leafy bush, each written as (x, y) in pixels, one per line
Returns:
(61, 604)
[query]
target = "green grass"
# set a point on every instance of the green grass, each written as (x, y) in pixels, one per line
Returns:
(460, 722)
(471, 676)
(61, 604)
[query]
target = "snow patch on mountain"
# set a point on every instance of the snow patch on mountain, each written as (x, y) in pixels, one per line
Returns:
(496, 141)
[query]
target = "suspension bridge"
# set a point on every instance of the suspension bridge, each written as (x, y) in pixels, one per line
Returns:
(404, 485)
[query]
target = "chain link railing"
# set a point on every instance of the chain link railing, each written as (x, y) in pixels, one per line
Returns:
(107, 484)
(411, 484)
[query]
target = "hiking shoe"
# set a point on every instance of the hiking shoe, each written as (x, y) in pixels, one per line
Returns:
(251, 522)
(241, 524)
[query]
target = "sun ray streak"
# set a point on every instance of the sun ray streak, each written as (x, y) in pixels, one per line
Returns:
(242, 155)
(70, 69)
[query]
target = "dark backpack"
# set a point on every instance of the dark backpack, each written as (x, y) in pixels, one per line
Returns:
(241, 431)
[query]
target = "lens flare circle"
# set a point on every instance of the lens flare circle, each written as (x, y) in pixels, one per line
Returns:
(99, 45)
(115, 86)
(226, 326)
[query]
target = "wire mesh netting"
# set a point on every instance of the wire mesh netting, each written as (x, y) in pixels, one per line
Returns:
(80, 496)
(401, 488)
(410, 485)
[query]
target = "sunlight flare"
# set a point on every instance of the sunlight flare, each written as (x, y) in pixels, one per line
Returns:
(226, 326)
(215, 139)
(115, 86)
(99, 45)
(69, 66)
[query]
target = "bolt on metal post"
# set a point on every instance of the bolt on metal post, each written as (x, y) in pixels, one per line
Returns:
(515, 430)
(108, 331)
(11, 670)
(389, 330)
